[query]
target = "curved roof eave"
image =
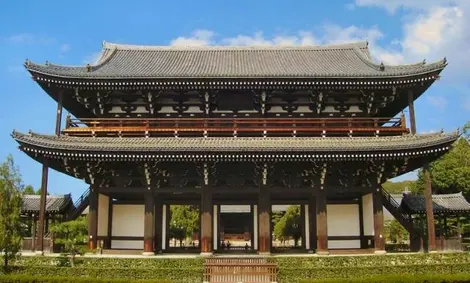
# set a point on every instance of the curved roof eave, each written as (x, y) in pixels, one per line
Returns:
(372, 69)
(329, 144)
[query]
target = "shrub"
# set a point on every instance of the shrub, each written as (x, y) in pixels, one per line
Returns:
(36, 279)
(441, 278)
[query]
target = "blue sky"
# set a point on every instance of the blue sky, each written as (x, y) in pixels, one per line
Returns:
(66, 32)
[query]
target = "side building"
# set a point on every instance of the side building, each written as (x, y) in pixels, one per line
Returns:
(257, 126)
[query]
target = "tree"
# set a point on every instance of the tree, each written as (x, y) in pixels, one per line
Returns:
(10, 209)
(395, 232)
(397, 187)
(289, 225)
(184, 221)
(29, 190)
(450, 173)
(72, 235)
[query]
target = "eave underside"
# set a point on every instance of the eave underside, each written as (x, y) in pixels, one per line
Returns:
(233, 167)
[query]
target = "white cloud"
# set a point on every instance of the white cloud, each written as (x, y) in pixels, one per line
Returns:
(92, 59)
(64, 48)
(439, 102)
(28, 38)
(432, 131)
(198, 38)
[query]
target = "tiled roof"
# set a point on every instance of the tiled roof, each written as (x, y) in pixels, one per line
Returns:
(239, 144)
(441, 203)
(54, 203)
(335, 61)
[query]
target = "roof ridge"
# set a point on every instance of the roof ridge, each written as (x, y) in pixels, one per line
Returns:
(349, 45)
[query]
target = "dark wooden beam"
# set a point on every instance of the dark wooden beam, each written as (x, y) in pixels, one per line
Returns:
(158, 223)
(312, 207)
(42, 208)
(361, 223)
(429, 210)
(322, 225)
(411, 109)
(206, 219)
(93, 219)
(264, 220)
(110, 223)
(148, 223)
(377, 204)
(58, 120)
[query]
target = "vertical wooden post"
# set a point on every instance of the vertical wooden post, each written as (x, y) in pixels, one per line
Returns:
(110, 224)
(33, 234)
(377, 202)
(361, 224)
(42, 208)
(93, 219)
(264, 220)
(322, 224)
(303, 231)
(312, 218)
(158, 223)
(206, 220)
(429, 209)
(58, 120)
(148, 224)
(411, 108)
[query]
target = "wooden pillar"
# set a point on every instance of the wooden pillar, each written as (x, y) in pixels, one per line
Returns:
(264, 220)
(312, 217)
(33, 234)
(58, 120)
(322, 224)
(379, 240)
(361, 224)
(42, 208)
(411, 109)
(429, 209)
(206, 220)
(93, 219)
(303, 231)
(148, 223)
(158, 224)
(110, 224)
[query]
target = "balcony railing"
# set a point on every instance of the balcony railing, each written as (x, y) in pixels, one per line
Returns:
(235, 126)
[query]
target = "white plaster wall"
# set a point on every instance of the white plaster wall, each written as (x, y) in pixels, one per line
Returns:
(128, 220)
(343, 219)
(130, 245)
(103, 213)
(368, 215)
(344, 244)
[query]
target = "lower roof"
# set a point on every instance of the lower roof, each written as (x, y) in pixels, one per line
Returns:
(442, 203)
(164, 145)
(54, 203)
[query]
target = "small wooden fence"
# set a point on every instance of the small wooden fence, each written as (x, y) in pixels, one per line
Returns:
(235, 270)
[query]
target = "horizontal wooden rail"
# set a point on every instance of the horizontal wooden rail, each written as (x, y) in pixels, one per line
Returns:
(234, 126)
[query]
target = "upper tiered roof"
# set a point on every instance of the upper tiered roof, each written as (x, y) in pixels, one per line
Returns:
(118, 61)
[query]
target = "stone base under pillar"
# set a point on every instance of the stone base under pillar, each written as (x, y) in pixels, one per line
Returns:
(322, 252)
(380, 252)
(39, 252)
(206, 254)
(148, 253)
(264, 253)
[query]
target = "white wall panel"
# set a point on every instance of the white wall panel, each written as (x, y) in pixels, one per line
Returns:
(343, 219)
(127, 245)
(128, 220)
(344, 244)
(368, 215)
(103, 215)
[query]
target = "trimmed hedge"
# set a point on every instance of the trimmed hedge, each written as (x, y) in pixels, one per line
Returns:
(441, 278)
(36, 279)
(107, 262)
(291, 275)
(186, 275)
(371, 260)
